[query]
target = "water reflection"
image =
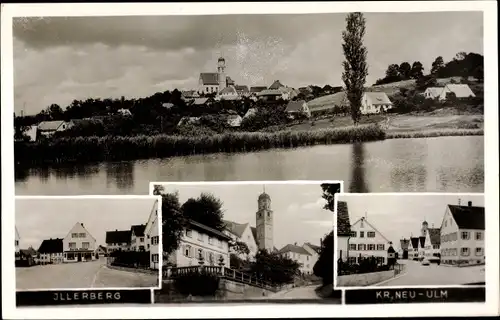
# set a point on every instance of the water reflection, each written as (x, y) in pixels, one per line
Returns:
(358, 183)
(120, 174)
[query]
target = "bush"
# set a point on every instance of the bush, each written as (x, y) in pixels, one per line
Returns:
(130, 258)
(197, 283)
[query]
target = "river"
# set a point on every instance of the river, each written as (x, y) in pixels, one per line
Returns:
(444, 164)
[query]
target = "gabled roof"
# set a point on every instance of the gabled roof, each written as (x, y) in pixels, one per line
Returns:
(138, 230)
(209, 78)
(257, 89)
(250, 112)
(254, 233)
(228, 90)
(343, 223)
(118, 236)
(241, 88)
(468, 217)
(295, 106)
(371, 225)
(235, 228)
(80, 224)
(435, 91)
(50, 125)
(51, 246)
(421, 241)
(404, 243)
(314, 247)
(295, 249)
(414, 242)
(102, 248)
(460, 90)
(229, 81)
(200, 101)
(434, 235)
(270, 92)
(378, 98)
(208, 230)
(276, 85)
(28, 252)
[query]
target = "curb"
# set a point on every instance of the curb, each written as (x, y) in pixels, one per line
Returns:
(381, 282)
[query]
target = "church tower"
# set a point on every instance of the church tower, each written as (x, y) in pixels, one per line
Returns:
(221, 73)
(264, 225)
(425, 226)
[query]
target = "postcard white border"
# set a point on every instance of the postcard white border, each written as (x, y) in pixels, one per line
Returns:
(97, 197)
(489, 9)
(342, 197)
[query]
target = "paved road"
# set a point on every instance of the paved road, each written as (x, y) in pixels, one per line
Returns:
(306, 292)
(417, 274)
(93, 274)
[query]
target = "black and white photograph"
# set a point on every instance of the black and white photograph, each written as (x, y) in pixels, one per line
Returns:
(248, 241)
(386, 102)
(87, 243)
(410, 240)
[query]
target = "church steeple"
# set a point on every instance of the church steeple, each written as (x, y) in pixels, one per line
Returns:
(264, 222)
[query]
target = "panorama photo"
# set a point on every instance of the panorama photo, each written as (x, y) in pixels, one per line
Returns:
(386, 102)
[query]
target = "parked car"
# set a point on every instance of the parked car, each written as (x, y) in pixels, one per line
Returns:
(425, 262)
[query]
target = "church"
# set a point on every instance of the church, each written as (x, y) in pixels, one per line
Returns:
(214, 82)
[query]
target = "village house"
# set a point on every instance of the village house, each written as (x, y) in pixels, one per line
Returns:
(51, 251)
(137, 242)
(16, 241)
(297, 109)
(28, 257)
(413, 248)
(460, 90)
(343, 231)
(189, 121)
(79, 245)
(152, 232)
(242, 90)
(49, 128)
(433, 92)
(366, 241)
(421, 248)
(375, 102)
(250, 112)
(228, 93)
(403, 248)
(255, 90)
(312, 248)
(302, 256)
(270, 95)
(462, 235)
(118, 240)
(101, 251)
(234, 120)
(241, 232)
(124, 112)
(189, 95)
(202, 102)
(213, 82)
(201, 244)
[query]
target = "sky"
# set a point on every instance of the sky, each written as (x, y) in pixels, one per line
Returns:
(298, 208)
(59, 59)
(401, 216)
(39, 219)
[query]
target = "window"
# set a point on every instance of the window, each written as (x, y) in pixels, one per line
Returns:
(353, 234)
(435, 246)
(370, 234)
(307, 258)
(17, 242)
(479, 235)
(189, 233)
(210, 240)
(85, 245)
(479, 251)
(380, 247)
(361, 247)
(200, 254)
(361, 234)
(155, 240)
(465, 252)
(352, 246)
(219, 243)
(155, 257)
(465, 235)
(72, 245)
(371, 247)
(74, 235)
(200, 236)
(211, 258)
(82, 235)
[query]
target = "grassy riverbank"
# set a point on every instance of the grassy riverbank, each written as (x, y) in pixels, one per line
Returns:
(115, 148)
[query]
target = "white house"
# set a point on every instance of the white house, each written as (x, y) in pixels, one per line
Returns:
(375, 102)
(48, 128)
(432, 250)
(366, 241)
(118, 240)
(305, 258)
(124, 112)
(271, 95)
(189, 120)
(234, 120)
(51, 251)
(79, 244)
(462, 235)
(152, 232)
(343, 231)
(413, 248)
(250, 112)
(460, 90)
(16, 241)
(433, 92)
(228, 93)
(241, 232)
(298, 108)
(421, 248)
(137, 238)
(201, 244)
(101, 251)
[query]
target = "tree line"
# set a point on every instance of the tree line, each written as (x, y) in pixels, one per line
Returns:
(462, 65)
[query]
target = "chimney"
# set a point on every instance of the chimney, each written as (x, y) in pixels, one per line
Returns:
(81, 224)
(116, 229)
(469, 203)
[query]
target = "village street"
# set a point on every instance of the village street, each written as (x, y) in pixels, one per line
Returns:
(307, 292)
(82, 275)
(418, 274)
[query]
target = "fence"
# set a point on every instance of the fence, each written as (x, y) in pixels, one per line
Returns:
(222, 272)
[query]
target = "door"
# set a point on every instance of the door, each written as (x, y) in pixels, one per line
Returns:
(79, 255)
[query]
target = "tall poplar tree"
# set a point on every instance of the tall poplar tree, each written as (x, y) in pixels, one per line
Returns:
(355, 67)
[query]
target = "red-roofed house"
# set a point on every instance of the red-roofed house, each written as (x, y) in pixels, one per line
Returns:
(462, 235)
